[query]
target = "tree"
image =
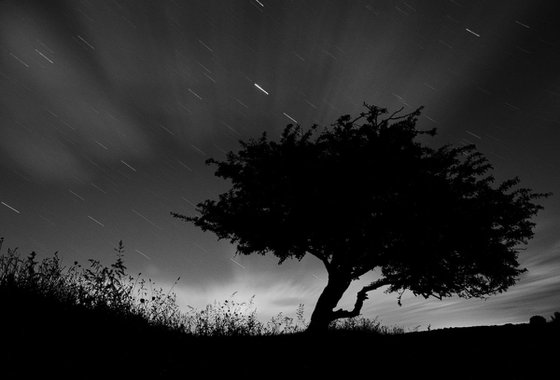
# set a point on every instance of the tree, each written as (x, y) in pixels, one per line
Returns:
(365, 195)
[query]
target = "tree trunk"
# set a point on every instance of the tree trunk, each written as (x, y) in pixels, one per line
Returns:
(323, 313)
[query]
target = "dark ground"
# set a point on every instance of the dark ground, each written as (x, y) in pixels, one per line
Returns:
(77, 344)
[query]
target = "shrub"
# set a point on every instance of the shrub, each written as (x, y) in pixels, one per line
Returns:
(364, 325)
(537, 320)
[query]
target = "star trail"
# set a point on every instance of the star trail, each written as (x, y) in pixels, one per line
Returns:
(109, 109)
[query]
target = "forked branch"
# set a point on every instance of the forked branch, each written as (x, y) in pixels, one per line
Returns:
(361, 297)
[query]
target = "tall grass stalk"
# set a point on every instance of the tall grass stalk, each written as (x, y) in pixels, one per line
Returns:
(109, 290)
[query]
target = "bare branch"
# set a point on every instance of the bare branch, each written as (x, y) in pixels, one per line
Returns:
(394, 113)
(360, 273)
(361, 297)
(179, 216)
(362, 115)
(392, 116)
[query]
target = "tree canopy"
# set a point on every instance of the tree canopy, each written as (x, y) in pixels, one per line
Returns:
(365, 194)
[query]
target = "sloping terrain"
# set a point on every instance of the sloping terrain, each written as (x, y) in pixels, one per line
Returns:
(77, 344)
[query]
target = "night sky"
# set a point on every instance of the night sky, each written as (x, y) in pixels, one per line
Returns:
(108, 110)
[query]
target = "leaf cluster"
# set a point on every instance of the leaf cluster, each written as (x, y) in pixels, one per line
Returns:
(365, 194)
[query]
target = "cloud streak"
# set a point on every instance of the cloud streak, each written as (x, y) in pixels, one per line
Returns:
(65, 114)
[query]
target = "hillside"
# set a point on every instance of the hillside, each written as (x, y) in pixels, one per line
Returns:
(95, 322)
(92, 346)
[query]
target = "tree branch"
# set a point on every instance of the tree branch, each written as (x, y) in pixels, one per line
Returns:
(362, 115)
(360, 273)
(393, 114)
(361, 297)
(386, 121)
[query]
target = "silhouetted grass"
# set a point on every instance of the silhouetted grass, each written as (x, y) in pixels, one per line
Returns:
(363, 325)
(97, 320)
(94, 288)
(110, 291)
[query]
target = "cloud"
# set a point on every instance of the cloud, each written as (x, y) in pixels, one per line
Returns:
(42, 159)
(272, 294)
(278, 289)
(61, 113)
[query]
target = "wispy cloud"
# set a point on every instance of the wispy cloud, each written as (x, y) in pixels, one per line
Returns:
(66, 114)
(270, 298)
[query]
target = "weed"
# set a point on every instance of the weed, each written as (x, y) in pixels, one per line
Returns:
(108, 291)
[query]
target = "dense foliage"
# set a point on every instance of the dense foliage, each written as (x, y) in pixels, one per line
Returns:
(365, 194)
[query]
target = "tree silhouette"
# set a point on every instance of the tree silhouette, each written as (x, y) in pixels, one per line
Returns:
(364, 194)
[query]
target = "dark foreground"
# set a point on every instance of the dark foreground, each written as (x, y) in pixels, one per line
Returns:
(89, 347)
(94, 322)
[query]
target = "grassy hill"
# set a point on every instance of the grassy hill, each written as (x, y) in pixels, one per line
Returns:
(98, 322)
